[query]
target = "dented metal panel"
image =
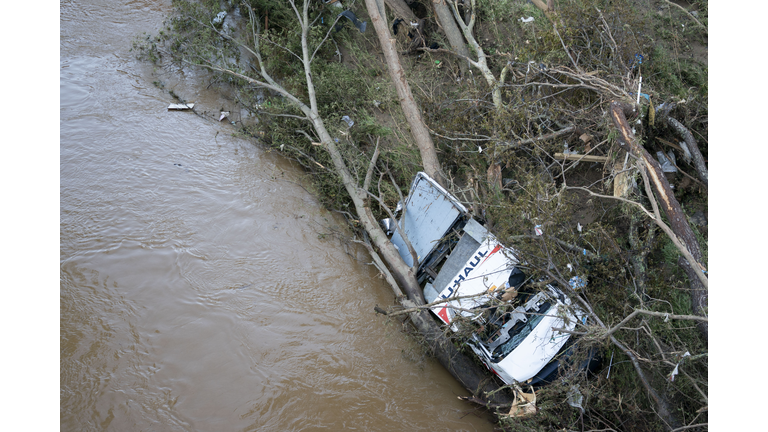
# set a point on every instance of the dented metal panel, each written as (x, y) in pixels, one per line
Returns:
(430, 211)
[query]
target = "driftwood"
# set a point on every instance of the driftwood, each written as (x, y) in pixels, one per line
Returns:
(681, 230)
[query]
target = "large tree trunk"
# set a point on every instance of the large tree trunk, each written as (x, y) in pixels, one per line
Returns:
(452, 32)
(412, 112)
(677, 220)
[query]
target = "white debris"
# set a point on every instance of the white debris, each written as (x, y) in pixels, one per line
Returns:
(181, 106)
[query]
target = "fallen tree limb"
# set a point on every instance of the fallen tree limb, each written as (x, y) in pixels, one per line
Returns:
(679, 230)
(693, 147)
(518, 143)
(581, 158)
(664, 315)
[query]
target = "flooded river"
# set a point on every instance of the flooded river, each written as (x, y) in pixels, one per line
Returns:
(200, 289)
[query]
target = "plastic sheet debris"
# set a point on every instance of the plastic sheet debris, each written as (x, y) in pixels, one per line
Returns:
(539, 230)
(348, 121)
(579, 227)
(224, 114)
(526, 20)
(359, 24)
(577, 283)
(675, 371)
(180, 107)
(667, 164)
(575, 398)
(220, 17)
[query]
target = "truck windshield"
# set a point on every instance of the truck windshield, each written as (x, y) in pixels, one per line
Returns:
(519, 332)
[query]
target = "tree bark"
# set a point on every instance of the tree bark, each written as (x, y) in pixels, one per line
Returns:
(693, 147)
(677, 219)
(412, 112)
(448, 24)
(481, 63)
(401, 10)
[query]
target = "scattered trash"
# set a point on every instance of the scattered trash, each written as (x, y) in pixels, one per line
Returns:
(639, 86)
(579, 227)
(180, 107)
(570, 267)
(675, 371)
(224, 114)
(220, 17)
(539, 231)
(666, 165)
(525, 20)
(359, 24)
(334, 3)
(577, 283)
(479, 149)
(348, 121)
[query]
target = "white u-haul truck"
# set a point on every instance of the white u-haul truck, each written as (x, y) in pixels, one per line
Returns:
(464, 264)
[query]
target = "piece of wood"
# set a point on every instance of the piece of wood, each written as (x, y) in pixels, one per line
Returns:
(622, 182)
(581, 158)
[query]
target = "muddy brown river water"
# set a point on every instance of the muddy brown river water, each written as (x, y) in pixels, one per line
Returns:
(197, 290)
